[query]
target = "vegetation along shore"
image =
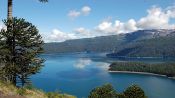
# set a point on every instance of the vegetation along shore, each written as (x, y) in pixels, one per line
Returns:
(161, 69)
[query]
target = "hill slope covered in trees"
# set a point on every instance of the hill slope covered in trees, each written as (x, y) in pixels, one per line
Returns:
(138, 43)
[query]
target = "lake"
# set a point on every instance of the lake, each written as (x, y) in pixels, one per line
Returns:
(79, 73)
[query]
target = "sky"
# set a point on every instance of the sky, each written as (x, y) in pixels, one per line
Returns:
(60, 20)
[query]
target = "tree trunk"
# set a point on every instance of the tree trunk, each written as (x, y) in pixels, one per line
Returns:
(14, 80)
(9, 14)
(22, 81)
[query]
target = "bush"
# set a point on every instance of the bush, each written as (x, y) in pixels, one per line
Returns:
(134, 91)
(52, 95)
(21, 91)
(29, 86)
(58, 95)
(105, 91)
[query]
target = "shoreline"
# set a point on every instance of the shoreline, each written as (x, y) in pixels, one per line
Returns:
(142, 73)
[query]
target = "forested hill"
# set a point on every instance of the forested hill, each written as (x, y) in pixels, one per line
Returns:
(97, 44)
(139, 43)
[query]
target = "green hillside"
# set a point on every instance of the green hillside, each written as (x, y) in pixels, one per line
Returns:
(8, 90)
(157, 47)
(139, 43)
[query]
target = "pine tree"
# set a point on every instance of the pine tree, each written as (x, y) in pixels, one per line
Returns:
(21, 45)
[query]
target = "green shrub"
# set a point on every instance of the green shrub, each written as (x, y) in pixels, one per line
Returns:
(134, 91)
(105, 91)
(21, 91)
(30, 87)
(52, 95)
(120, 95)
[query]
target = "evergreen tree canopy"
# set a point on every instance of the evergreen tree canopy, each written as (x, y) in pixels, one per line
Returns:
(134, 91)
(20, 46)
(105, 91)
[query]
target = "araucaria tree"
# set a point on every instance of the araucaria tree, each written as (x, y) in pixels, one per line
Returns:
(20, 47)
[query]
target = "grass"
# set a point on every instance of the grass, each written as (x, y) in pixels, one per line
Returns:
(29, 92)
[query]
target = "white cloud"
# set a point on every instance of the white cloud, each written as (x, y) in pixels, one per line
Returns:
(59, 36)
(117, 27)
(130, 25)
(2, 26)
(76, 13)
(81, 30)
(157, 18)
(105, 26)
(83, 33)
(86, 10)
(73, 14)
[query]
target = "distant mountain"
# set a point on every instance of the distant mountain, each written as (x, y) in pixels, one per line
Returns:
(140, 43)
(97, 44)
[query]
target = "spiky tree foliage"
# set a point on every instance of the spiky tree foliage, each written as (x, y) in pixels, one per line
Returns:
(21, 44)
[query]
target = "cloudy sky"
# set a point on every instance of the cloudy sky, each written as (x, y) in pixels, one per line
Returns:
(60, 20)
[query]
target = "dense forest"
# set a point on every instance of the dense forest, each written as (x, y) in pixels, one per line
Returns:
(97, 44)
(167, 69)
(159, 47)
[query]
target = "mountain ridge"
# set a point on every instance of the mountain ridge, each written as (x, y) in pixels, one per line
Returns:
(121, 45)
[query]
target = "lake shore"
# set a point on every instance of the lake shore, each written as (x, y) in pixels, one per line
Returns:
(143, 73)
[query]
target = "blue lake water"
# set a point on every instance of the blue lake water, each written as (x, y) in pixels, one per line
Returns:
(79, 73)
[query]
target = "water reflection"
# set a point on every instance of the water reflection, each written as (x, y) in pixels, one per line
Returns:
(72, 75)
(82, 63)
(103, 65)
